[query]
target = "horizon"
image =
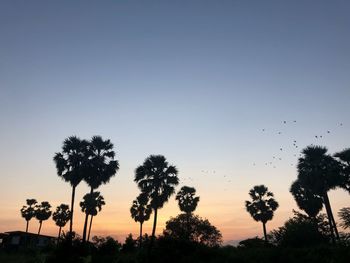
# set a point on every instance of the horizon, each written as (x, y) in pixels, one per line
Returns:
(224, 90)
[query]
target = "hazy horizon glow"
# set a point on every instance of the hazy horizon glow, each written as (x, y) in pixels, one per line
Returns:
(195, 81)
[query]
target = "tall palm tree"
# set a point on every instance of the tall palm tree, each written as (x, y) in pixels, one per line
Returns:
(156, 178)
(28, 211)
(306, 199)
(344, 158)
(262, 206)
(101, 167)
(61, 216)
(71, 166)
(141, 211)
(187, 202)
(320, 172)
(91, 204)
(42, 213)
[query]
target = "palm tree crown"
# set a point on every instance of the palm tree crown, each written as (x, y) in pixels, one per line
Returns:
(141, 210)
(92, 203)
(187, 200)
(62, 215)
(158, 179)
(306, 200)
(101, 163)
(71, 162)
(263, 204)
(344, 157)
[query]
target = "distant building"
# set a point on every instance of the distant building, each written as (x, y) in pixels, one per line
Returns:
(19, 239)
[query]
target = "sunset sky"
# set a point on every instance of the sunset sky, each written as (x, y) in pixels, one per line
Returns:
(217, 87)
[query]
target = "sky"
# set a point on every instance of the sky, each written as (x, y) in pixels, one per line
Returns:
(219, 88)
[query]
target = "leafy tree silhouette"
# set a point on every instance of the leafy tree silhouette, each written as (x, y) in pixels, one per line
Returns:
(42, 213)
(157, 179)
(262, 206)
(61, 216)
(320, 172)
(344, 215)
(344, 158)
(28, 211)
(201, 231)
(101, 166)
(91, 204)
(187, 202)
(71, 165)
(306, 199)
(141, 211)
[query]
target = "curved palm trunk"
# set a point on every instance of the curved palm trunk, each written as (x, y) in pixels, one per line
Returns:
(59, 234)
(154, 228)
(27, 226)
(88, 238)
(140, 245)
(265, 235)
(40, 224)
(331, 221)
(86, 222)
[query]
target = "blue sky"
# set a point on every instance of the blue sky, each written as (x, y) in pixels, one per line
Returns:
(196, 81)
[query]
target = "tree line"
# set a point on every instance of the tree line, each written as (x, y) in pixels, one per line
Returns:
(93, 161)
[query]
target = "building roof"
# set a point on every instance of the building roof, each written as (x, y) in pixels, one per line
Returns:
(24, 233)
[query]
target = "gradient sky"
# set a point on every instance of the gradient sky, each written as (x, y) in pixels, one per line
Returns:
(196, 81)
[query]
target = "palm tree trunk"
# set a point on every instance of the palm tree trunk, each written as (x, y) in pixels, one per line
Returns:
(41, 222)
(59, 234)
(140, 245)
(329, 215)
(154, 229)
(26, 238)
(188, 226)
(265, 235)
(88, 238)
(72, 210)
(86, 221)
(154, 223)
(27, 226)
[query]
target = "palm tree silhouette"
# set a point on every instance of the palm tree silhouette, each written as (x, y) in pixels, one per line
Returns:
(42, 213)
(306, 199)
(141, 211)
(28, 211)
(61, 216)
(344, 158)
(187, 202)
(320, 172)
(262, 206)
(156, 178)
(101, 166)
(71, 165)
(91, 204)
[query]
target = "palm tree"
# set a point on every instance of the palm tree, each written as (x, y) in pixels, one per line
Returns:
(306, 199)
(344, 158)
(141, 211)
(91, 204)
(262, 206)
(344, 215)
(71, 165)
(187, 203)
(42, 213)
(61, 216)
(156, 178)
(101, 167)
(320, 172)
(28, 211)
(187, 200)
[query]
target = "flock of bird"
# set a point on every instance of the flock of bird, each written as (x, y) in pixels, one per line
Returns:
(275, 159)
